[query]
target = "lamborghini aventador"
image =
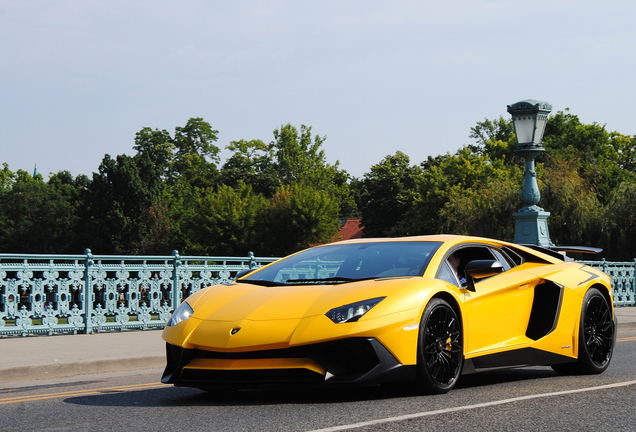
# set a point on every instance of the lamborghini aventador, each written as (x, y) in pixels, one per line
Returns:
(421, 309)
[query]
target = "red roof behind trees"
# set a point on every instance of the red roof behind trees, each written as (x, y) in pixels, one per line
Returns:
(349, 229)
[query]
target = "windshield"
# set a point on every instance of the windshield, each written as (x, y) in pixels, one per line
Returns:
(340, 263)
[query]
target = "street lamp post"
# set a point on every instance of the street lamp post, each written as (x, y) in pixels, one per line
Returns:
(531, 222)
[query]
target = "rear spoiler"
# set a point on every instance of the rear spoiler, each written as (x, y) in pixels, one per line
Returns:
(559, 251)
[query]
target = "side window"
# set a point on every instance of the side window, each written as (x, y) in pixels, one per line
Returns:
(501, 259)
(446, 274)
(514, 257)
(458, 258)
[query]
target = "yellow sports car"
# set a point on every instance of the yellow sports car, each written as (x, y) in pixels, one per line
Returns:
(421, 309)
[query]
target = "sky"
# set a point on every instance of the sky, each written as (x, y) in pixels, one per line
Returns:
(78, 79)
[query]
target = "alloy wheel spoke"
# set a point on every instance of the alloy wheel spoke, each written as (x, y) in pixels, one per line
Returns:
(442, 345)
(598, 330)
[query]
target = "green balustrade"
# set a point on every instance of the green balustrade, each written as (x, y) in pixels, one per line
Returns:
(49, 294)
(91, 293)
(623, 278)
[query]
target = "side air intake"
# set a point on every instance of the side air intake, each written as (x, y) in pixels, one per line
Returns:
(545, 310)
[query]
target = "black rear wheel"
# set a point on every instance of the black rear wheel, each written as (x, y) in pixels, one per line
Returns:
(440, 349)
(596, 336)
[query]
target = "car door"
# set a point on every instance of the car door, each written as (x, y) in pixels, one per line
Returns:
(496, 314)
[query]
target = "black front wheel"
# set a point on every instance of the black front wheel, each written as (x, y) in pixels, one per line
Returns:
(440, 348)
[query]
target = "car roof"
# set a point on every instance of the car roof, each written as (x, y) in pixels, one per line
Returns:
(444, 238)
(451, 240)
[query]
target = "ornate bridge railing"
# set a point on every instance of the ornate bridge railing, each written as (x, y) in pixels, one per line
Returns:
(622, 274)
(48, 293)
(89, 293)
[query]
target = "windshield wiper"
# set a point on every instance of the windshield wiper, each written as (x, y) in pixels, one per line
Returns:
(335, 279)
(261, 282)
(330, 280)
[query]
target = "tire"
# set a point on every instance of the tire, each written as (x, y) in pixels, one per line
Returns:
(440, 353)
(596, 337)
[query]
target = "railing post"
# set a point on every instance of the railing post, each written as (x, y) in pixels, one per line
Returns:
(88, 292)
(633, 283)
(250, 255)
(176, 289)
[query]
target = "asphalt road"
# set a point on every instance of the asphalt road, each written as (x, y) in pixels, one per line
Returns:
(529, 399)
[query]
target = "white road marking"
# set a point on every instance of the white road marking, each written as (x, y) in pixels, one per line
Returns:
(470, 407)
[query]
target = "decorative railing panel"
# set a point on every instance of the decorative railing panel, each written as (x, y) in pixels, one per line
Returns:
(90, 293)
(622, 274)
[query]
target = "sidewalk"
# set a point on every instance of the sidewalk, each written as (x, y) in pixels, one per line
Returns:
(45, 357)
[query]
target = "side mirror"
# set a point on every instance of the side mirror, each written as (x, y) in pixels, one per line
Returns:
(479, 269)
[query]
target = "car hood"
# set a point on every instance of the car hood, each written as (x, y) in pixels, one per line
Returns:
(242, 301)
(244, 317)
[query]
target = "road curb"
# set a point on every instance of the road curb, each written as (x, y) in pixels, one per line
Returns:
(62, 370)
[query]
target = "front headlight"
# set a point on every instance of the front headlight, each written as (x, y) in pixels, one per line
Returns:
(182, 313)
(352, 312)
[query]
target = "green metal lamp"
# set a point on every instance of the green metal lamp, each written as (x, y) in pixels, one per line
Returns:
(531, 222)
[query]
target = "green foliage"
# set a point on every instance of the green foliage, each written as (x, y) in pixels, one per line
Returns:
(575, 211)
(190, 154)
(492, 130)
(196, 156)
(299, 159)
(138, 204)
(585, 174)
(228, 221)
(625, 148)
(619, 224)
(251, 163)
(453, 185)
(299, 216)
(496, 138)
(279, 197)
(387, 193)
(155, 149)
(596, 153)
(482, 211)
(39, 217)
(115, 203)
(7, 177)
(342, 191)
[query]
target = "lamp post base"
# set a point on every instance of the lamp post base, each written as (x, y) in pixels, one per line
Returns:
(531, 227)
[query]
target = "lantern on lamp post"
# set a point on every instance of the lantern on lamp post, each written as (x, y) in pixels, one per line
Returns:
(531, 222)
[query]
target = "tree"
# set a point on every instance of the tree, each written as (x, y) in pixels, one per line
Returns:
(39, 217)
(299, 159)
(138, 204)
(228, 221)
(459, 177)
(596, 153)
(155, 156)
(116, 203)
(575, 210)
(495, 138)
(485, 210)
(190, 154)
(7, 177)
(251, 163)
(387, 193)
(619, 224)
(196, 156)
(299, 217)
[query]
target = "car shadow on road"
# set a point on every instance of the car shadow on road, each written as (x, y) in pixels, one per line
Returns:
(179, 396)
(504, 375)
